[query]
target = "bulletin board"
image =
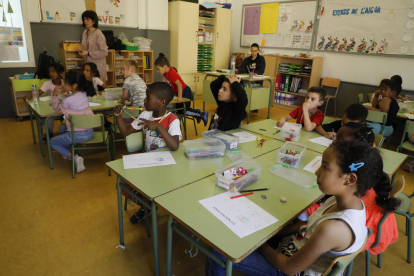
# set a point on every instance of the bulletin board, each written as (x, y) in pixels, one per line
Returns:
(279, 24)
(110, 12)
(369, 27)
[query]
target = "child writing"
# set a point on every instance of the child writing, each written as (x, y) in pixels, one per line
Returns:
(308, 114)
(348, 171)
(161, 128)
(179, 87)
(91, 73)
(231, 99)
(134, 87)
(398, 80)
(56, 71)
(388, 105)
(76, 104)
(354, 113)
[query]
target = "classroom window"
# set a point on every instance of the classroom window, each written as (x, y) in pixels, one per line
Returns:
(16, 48)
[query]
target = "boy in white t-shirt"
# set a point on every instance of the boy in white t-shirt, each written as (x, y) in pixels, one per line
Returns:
(161, 128)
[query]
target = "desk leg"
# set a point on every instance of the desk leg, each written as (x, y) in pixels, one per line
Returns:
(39, 132)
(250, 100)
(169, 244)
(270, 99)
(154, 237)
(48, 141)
(31, 122)
(120, 214)
(229, 267)
(185, 122)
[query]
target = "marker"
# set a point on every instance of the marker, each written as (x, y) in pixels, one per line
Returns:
(333, 130)
(254, 190)
(242, 195)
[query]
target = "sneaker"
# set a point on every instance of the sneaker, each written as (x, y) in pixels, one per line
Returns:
(204, 117)
(255, 111)
(139, 216)
(198, 118)
(80, 167)
(408, 165)
(50, 137)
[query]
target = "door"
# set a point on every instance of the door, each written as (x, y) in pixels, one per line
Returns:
(222, 23)
(187, 38)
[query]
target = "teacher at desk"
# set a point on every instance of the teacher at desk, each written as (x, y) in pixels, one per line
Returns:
(94, 48)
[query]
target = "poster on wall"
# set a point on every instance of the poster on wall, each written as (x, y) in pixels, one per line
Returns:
(111, 12)
(11, 36)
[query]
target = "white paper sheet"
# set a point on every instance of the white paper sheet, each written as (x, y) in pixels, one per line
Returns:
(409, 116)
(245, 136)
(45, 98)
(261, 77)
(314, 164)
(408, 101)
(94, 104)
(323, 141)
(240, 215)
(149, 159)
(278, 127)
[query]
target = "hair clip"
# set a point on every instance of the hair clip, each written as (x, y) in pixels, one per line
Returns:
(354, 167)
(369, 132)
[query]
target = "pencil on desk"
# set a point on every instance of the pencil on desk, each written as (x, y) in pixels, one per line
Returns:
(241, 195)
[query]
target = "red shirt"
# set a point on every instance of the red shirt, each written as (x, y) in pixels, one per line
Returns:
(297, 114)
(172, 76)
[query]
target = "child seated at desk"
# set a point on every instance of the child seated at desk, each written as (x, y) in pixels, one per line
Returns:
(398, 80)
(134, 87)
(231, 99)
(388, 105)
(161, 128)
(91, 73)
(354, 113)
(77, 104)
(308, 114)
(337, 228)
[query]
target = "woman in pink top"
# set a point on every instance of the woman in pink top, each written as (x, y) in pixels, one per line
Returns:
(76, 104)
(94, 48)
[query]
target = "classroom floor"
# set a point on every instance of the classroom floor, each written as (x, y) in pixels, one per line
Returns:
(55, 225)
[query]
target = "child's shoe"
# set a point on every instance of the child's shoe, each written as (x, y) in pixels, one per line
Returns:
(139, 216)
(408, 165)
(80, 167)
(198, 118)
(204, 117)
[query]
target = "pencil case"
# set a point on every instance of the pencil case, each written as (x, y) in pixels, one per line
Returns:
(231, 141)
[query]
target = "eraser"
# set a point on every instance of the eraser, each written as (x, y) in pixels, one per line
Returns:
(283, 199)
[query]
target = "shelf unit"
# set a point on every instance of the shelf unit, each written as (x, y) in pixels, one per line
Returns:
(147, 74)
(307, 81)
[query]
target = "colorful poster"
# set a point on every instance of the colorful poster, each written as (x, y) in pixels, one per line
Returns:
(268, 18)
(11, 36)
(252, 21)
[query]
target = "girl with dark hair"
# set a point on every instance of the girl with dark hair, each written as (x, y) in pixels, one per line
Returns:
(353, 131)
(76, 104)
(337, 228)
(94, 48)
(91, 73)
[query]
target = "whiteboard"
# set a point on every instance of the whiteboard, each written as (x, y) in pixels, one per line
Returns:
(110, 12)
(295, 25)
(375, 27)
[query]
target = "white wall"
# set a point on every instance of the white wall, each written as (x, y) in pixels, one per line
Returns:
(368, 69)
(144, 14)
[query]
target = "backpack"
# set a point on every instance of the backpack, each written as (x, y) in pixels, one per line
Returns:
(111, 41)
(43, 66)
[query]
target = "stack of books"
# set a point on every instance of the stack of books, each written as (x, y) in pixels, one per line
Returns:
(288, 83)
(306, 70)
(147, 62)
(144, 44)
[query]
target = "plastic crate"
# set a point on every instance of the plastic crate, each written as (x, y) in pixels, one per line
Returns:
(231, 141)
(112, 95)
(253, 168)
(285, 156)
(290, 132)
(129, 47)
(204, 148)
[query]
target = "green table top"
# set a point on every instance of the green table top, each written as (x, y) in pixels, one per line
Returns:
(392, 160)
(244, 77)
(43, 109)
(190, 213)
(150, 182)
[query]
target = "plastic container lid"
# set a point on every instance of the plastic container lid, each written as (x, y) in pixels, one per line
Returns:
(231, 141)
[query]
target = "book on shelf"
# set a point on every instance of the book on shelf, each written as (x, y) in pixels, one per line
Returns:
(286, 88)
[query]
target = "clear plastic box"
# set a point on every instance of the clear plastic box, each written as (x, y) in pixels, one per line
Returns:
(294, 176)
(236, 154)
(290, 132)
(204, 148)
(293, 160)
(112, 95)
(404, 108)
(231, 141)
(253, 173)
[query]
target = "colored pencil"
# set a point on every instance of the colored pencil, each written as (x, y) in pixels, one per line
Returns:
(254, 190)
(242, 195)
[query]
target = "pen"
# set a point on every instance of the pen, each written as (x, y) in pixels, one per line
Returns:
(242, 195)
(255, 190)
(277, 131)
(262, 129)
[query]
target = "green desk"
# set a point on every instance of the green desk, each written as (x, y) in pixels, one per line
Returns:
(258, 98)
(193, 216)
(149, 183)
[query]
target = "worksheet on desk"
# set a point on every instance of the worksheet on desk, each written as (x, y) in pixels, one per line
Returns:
(245, 136)
(241, 215)
(323, 141)
(149, 159)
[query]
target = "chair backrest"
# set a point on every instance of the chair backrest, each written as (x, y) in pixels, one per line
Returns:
(378, 139)
(330, 82)
(377, 117)
(327, 120)
(193, 97)
(86, 121)
(409, 128)
(360, 98)
(135, 142)
(369, 97)
(398, 186)
(339, 264)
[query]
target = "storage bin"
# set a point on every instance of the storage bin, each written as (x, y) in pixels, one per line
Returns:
(253, 173)
(112, 95)
(291, 154)
(204, 148)
(290, 132)
(230, 140)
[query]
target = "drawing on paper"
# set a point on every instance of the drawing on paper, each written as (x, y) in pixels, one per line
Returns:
(371, 48)
(300, 26)
(404, 49)
(48, 17)
(335, 44)
(72, 15)
(320, 44)
(309, 28)
(115, 2)
(362, 47)
(295, 25)
(328, 44)
(117, 21)
(351, 46)
(57, 16)
(343, 45)
(383, 47)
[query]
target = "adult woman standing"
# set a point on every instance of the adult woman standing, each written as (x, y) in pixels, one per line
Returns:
(94, 48)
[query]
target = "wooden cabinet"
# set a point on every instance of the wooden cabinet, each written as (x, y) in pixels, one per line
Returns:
(222, 23)
(144, 60)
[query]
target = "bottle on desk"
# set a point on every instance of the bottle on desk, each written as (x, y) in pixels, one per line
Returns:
(233, 65)
(35, 94)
